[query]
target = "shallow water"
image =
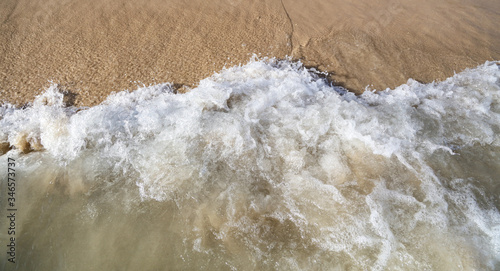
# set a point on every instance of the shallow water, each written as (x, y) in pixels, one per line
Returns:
(261, 167)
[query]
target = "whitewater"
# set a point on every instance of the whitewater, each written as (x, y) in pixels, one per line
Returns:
(263, 166)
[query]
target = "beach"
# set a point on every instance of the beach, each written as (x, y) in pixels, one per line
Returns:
(249, 135)
(92, 48)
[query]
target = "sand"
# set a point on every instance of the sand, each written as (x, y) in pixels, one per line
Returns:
(92, 48)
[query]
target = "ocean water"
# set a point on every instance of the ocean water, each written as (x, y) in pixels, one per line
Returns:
(264, 166)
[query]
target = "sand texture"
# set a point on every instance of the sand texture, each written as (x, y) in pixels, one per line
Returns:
(94, 47)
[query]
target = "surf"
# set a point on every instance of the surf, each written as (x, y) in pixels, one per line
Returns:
(262, 166)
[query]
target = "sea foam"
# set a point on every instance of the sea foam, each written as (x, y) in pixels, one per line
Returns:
(265, 166)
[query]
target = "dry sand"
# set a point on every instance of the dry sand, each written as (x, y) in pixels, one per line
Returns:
(94, 47)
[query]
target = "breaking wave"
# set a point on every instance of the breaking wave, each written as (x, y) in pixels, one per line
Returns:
(262, 166)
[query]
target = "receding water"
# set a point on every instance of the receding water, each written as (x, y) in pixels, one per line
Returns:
(265, 166)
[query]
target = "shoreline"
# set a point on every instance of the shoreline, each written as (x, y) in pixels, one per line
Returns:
(92, 49)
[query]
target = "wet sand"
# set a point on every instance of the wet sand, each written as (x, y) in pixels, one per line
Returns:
(92, 48)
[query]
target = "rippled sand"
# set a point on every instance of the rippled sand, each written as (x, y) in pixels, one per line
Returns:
(95, 47)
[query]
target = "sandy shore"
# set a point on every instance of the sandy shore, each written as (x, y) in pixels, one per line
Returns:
(95, 47)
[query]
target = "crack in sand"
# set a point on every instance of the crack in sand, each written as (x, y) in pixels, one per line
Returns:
(290, 36)
(9, 15)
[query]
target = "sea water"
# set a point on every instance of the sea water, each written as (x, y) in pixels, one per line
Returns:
(265, 166)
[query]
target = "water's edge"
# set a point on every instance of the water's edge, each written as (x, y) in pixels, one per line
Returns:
(262, 166)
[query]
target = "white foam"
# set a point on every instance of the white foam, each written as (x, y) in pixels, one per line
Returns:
(270, 153)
